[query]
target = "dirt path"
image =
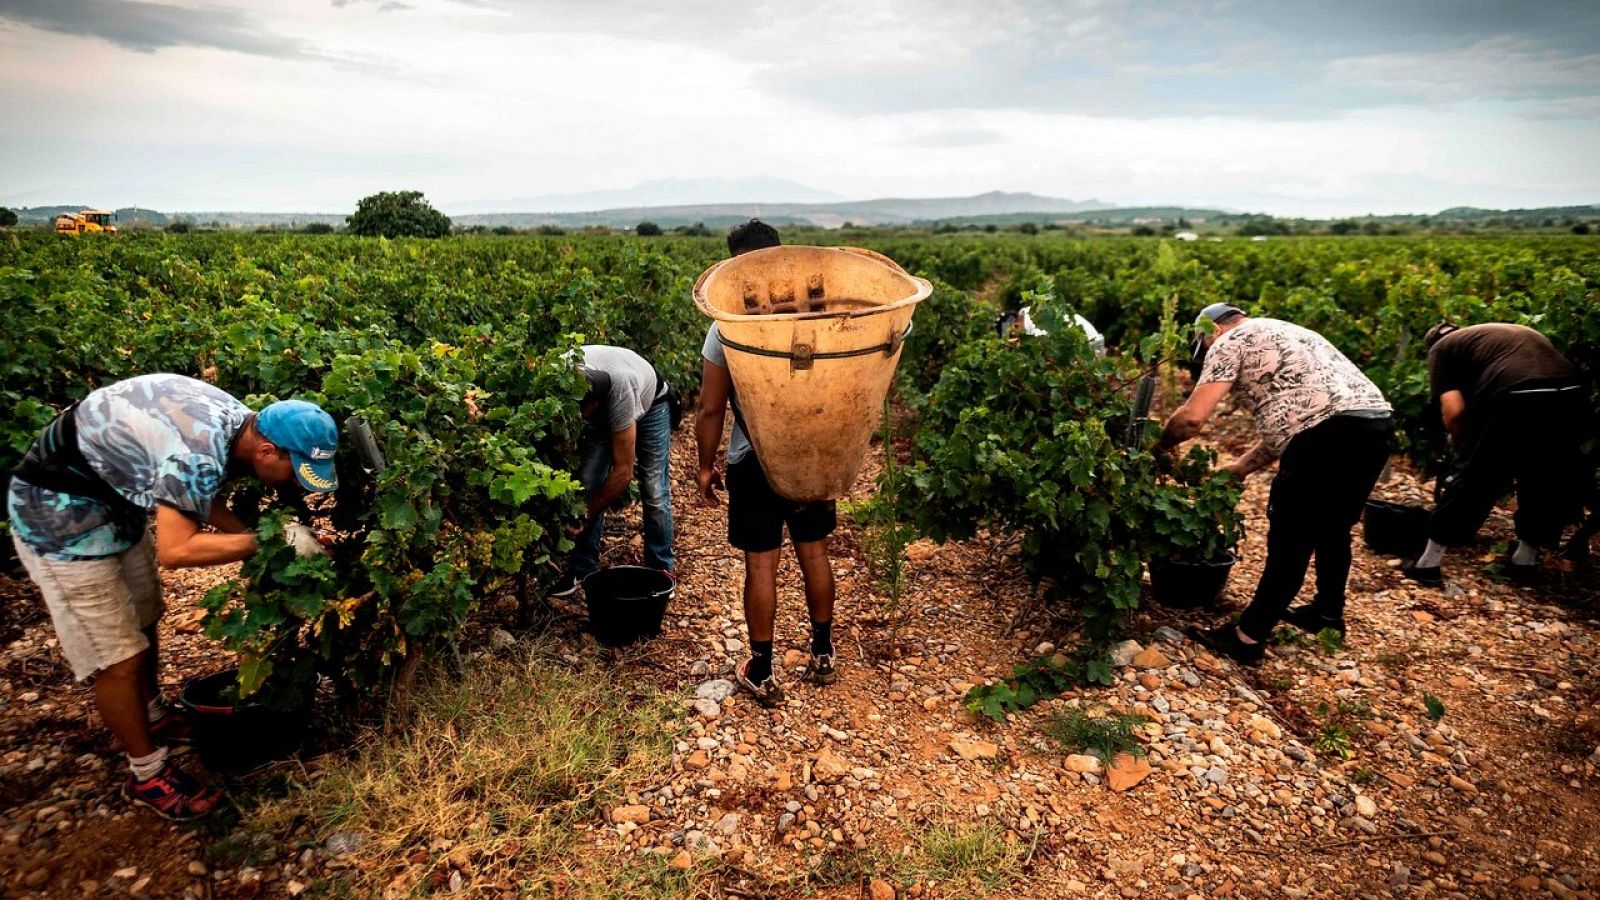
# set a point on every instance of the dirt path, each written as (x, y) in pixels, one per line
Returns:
(1248, 792)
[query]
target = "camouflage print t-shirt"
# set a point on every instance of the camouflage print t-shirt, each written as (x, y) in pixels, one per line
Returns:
(156, 439)
(1289, 377)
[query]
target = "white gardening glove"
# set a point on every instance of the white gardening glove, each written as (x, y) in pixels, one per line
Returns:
(303, 540)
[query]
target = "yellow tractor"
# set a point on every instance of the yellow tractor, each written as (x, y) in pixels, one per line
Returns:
(89, 220)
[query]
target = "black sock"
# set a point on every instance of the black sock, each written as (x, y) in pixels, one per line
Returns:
(760, 661)
(822, 638)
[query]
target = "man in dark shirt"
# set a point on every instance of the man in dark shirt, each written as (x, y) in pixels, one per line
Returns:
(1515, 410)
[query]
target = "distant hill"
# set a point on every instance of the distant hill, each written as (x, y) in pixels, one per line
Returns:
(659, 192)
(996, 208)
(1473, 213)
(1125, 215)
(130, 216)
(884, 211)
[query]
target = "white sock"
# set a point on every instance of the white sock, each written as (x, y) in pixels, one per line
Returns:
(155, 709)
(1526, 554)
(1431, 556)
(147, 767)
(1243, 638)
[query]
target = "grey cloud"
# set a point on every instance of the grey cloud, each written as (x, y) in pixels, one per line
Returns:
(1275, 59)
(148, 27)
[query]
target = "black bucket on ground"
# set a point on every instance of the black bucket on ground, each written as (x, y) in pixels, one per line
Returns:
(238, 737)
(1394, 529)
(1185, 585)
(627, 603)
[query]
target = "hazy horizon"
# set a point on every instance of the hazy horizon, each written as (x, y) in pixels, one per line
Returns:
(1291, 108)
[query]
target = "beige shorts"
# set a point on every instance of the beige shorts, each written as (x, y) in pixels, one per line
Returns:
(100, 607)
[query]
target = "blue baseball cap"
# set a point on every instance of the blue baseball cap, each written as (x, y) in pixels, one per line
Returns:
(309, 435)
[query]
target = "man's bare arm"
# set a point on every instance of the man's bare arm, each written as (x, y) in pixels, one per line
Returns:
(1187, 420)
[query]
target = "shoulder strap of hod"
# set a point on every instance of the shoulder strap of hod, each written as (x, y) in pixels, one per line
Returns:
(55, 462)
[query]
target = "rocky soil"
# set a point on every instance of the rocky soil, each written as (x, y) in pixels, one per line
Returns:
(1450, 748)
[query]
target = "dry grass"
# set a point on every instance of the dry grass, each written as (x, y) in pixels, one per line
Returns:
(503, 764)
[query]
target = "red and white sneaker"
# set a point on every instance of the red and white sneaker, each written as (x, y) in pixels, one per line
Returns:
(768, 693)
(174, 794)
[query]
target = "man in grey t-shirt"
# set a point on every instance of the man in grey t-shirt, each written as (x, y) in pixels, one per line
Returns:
(629, 431)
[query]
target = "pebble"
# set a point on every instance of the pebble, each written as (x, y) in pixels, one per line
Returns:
(971, 750)
(707, 709)
(1122, 653)
(343, 843)
(716, 690)
(1081, 762)
(1365, 807)
(638, 814)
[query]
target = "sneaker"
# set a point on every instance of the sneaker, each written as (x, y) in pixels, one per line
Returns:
(173, 727)
(1307, 619)
(768, 693)
(1428, 575)
(820, 669)
(1225, 640)
(174, 794)
(566, 587)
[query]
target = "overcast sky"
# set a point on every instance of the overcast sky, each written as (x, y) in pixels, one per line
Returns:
(1316, 108)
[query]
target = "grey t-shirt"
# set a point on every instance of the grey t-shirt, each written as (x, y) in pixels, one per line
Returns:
(633, 383)
(738, 443)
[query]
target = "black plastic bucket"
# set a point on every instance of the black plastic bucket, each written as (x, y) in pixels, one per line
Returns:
(1183, 585)
(627, 603)
(1394, 529)
(238, 737)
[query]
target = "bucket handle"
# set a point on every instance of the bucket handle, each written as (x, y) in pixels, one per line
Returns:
(801, 356)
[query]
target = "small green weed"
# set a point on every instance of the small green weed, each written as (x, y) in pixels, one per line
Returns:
(1363, 776)
(957, 854)
(1106, 735)
(1434, 705)
(651, 878)
(1038, 679)
(1288, 636)
(1334, 740)
(1330, 640)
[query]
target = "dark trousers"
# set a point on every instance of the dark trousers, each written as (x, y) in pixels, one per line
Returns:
(1324, 477)
(1530, 441)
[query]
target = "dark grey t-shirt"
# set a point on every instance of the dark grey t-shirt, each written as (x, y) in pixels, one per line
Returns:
(633, 383)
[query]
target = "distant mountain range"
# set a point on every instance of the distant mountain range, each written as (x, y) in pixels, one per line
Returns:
(885, 211)
(993, 208)
(659, 192)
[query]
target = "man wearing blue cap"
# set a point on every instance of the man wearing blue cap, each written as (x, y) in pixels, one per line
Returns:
(79, 509)
(1329, 429)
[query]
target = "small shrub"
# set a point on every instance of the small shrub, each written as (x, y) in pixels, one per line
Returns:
(1434, 706)
(1334, 740)
(647, 229)
(1330, 640)
(1105, 735)
(958, 854)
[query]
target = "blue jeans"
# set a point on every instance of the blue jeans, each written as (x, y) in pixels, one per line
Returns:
(652, 449)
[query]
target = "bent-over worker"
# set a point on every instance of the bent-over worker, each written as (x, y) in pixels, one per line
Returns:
(1516, 413)
(628, 431)
(1328, 427)
(79, 510)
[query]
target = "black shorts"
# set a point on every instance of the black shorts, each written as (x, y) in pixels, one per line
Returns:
(756, 514)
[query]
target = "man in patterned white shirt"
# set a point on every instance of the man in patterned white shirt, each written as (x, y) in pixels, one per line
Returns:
(1328, 427)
